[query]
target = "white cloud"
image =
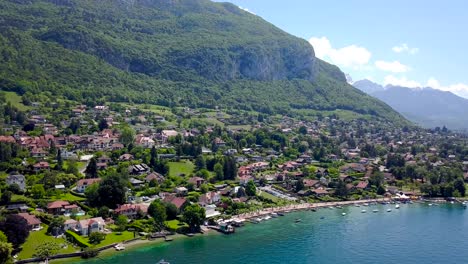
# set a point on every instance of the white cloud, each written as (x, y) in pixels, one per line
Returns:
(247, 10)
(394, 66)
(405, 48)
(402, 81)
(349, 56)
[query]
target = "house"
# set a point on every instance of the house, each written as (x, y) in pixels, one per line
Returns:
(179, 202)
(57, 207)
(218, 142)
(309, 183)
(70, 224)
(181, 191)
(104, 159)
(18, 179)
(84, 183)
(154, 176)
(320, 192)
(33, 222)
(243, 180)
(139, 169)
(362, 185)
(20, 207)
(43, 165)
(132, 211)
(88, 226)
(136, 182)
(209, 198)
(196, 181)
(126, 157)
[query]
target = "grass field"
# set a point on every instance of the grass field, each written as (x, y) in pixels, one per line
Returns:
(175, 224)
(116, 238)
(37, 238)
(182, 167)
(15, 100)
(269, 196)
(68, 197)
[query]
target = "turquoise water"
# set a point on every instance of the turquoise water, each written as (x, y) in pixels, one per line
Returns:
(416, 233)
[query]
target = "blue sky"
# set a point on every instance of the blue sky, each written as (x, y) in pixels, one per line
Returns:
(411, 43)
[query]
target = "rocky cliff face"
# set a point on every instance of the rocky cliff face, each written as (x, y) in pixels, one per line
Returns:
(256, 57)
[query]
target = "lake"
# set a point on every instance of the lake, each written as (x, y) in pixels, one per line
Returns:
(415, 233)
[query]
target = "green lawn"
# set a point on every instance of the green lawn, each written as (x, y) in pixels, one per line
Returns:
(116, 238)
(269, 196)
(36, 238)
(174, 224)
(68, 197)
(182, 167)
(16, 100)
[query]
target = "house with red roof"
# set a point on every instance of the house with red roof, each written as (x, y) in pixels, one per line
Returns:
(132, 211)
(57, 207)
(33, 222)
(179, 202)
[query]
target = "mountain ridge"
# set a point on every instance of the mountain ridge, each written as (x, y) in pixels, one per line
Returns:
(169, 52)
(427, 106)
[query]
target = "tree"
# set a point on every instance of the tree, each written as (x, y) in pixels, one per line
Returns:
(103, 124)
(112, 190)
(6, 197)
(92, 194)
(46, 249)
(194, 215)
(96, 237)
(200, 162)
(5, 252)
(38, 191)
(299, 185)
(56, 226)
(59, 160)
(218, 170)
(104, 212)
(380, 190)
(229, 168)
(341, 189)
(121, 222)
(303, 130)
(171, 211)
(15, 228)
(459, 185)
(127, 136)
(157, 210)
(92, 170)
(251, 189)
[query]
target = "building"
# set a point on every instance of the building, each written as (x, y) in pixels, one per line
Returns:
(18, 179)
(88, 226)
(132, 211)
(33, 222)
(84, 183)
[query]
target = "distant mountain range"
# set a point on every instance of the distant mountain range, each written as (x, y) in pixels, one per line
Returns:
(426, 106)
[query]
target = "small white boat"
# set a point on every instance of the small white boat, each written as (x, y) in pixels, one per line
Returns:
(389, 210)
(363, 211)
(343, 214)
(162, 261)
(430, 204)
(339, 207)
(452, 202)
(375, 211)
(357, 205)
(119, 247)
(267, 217)
(366, 204)
(397, 206)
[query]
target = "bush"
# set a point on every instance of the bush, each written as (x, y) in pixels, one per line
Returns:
(77, 239)
(89, 253)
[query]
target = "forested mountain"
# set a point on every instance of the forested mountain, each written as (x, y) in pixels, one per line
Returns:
(426, 106)
(170, 52)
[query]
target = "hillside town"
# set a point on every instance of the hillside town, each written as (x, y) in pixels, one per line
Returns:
(86, 176)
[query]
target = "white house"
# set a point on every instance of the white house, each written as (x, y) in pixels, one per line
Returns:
(88, 226)
(82, 184)
(18, 179)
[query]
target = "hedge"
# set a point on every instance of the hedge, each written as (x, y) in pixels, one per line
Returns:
(77, 239)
